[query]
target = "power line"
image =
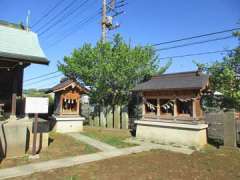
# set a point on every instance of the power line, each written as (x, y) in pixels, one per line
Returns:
(195, 43)
(58, 14)
(65, 16)
(50, 35)
(48, 12)
(43, 80)
(44, 75)
(196, 54)
(75, 28)
(193, 37)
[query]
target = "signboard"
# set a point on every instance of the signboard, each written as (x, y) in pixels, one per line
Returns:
(37, 105)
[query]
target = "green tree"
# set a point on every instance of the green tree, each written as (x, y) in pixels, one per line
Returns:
(111, 69)
(225, 77)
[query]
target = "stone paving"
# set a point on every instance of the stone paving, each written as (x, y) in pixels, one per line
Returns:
(108, 152)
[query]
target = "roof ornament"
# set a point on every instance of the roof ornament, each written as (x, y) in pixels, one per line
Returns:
(27, 20)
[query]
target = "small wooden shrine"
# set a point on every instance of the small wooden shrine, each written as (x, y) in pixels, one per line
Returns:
(67, 96)
(171, 107)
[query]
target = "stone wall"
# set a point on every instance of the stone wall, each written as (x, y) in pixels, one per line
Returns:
(108, 117)
(223, 127)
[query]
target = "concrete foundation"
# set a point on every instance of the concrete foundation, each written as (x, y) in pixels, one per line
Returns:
(172, 132)
(68, 124)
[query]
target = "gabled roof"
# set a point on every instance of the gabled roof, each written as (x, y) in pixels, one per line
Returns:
(65, 84)
(175, 81)
(18, 44)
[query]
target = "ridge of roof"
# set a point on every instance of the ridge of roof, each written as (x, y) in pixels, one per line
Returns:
(185, 73)
(12, 25)
(64, 84)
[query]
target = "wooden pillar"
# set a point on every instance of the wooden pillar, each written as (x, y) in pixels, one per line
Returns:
(14, 95)
(143, 108)
(14, 104)
(194, 109)
(158, 107)
(175, 112)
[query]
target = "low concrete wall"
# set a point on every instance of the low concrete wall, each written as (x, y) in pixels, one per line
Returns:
(68, 124)
(165, 132)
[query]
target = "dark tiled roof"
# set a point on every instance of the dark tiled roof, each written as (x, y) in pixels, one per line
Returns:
(184, 80)
(65, 84)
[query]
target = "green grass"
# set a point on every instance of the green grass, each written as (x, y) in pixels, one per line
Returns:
(110, 136)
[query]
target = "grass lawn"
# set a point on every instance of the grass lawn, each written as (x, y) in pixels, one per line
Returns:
(211, 164)
(114, 137)
(61, 146)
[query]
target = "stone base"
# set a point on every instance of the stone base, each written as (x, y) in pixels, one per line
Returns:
(171, 132)
(68, 124)
(14, 139)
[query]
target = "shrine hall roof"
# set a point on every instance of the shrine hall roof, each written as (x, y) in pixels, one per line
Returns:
(18, 44)
(174, 81)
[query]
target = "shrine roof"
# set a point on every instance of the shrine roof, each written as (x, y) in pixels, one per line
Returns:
(175, 81)
(18, 44)
(65, 84)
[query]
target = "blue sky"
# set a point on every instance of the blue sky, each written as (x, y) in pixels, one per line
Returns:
(144, 22)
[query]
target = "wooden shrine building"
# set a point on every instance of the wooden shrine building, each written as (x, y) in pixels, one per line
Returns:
(19, 48)
(67, 96)
(171, 108)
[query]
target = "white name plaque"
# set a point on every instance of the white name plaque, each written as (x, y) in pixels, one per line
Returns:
(36, 105)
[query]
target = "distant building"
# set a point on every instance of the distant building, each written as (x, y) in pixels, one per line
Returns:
(18, 49)
(171, 110)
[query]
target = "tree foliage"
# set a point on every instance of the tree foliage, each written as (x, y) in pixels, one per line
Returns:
(111, 69)
(225, 77)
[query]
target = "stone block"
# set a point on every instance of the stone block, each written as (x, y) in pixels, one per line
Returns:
(15, 136)
(103, 121)
(109, 116)
(117, 117)
(230, 134)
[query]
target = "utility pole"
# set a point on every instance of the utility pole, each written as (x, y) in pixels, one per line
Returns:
(107, 20)
(104, 17)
